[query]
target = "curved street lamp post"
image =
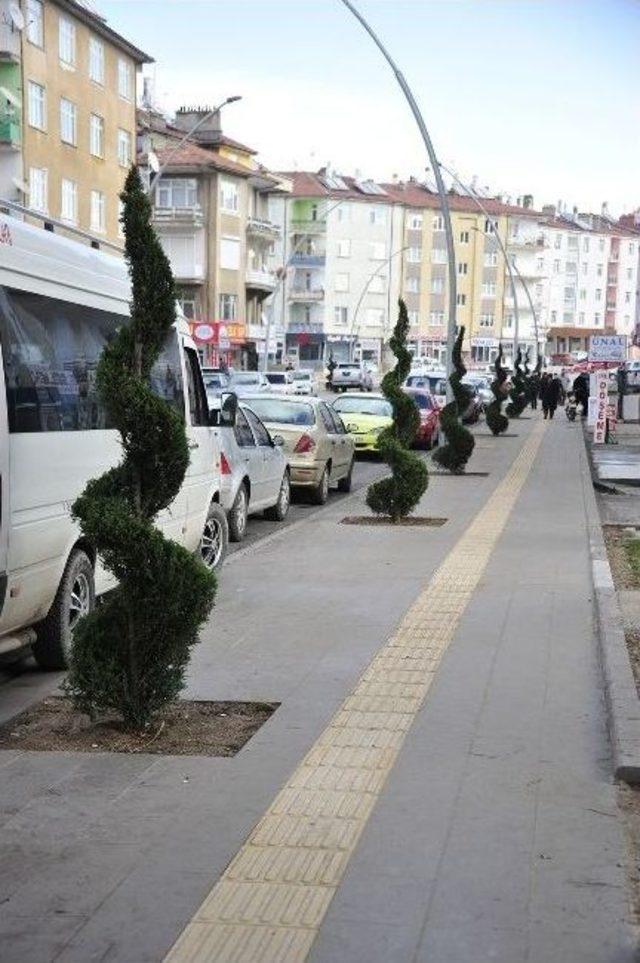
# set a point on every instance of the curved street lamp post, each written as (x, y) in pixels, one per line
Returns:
(353, 334)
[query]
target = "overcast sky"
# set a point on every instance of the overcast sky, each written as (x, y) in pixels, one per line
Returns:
(532, 96)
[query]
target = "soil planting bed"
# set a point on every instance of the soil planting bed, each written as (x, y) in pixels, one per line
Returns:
(461, 474)
(413, 521)
(184, 729)
(624, 576)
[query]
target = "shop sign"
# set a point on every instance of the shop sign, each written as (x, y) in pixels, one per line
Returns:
(608, 347)
(612, 424)
(602, 401)
(484, 342)
(220, 333)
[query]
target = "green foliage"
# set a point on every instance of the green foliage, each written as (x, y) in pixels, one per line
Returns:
(398, 495)
(130, 655)
(455, 454)
(518, 393)
(496, 421)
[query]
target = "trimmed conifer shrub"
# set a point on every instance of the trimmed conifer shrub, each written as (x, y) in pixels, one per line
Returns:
(398, 495)
(460, 443)
(129, 655)
(518, 393)
(496, 421)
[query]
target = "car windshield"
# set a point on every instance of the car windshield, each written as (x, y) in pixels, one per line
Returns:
(246, 378)
(352, 405)
(435, 384)
(422, 401)
(301, 376)
(215, 381)
(276, 379)
(283, 412)
(346, 365)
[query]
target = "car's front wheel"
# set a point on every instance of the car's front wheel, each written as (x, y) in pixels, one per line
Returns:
(278, 512)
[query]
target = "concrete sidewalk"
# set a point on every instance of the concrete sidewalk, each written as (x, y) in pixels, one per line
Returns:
(495, 836)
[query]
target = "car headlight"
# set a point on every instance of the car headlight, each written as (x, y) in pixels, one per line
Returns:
(379, 430)
(351, 428)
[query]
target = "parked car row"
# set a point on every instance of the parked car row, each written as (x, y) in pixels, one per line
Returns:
(247, 383)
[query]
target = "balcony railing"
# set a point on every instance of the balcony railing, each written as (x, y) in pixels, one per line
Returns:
(263, 280)
(303, 226)
(308, 260)
(517, 240)
(257, 227)
(10, 133)
(304, 295)
(191, 216)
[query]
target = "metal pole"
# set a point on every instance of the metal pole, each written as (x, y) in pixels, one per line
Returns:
(533, 310)
(433, 160)
(385, 263)
(507, 262)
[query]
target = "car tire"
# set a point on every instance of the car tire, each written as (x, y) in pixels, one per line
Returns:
(76, 597)
(215, 538)
(239, 515)
(344, 485)
(278, 512)
(320, 493)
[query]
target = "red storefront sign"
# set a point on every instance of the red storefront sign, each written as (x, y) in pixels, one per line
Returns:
(219, 333)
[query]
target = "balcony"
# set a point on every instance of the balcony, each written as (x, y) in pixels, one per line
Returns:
(257, 227)
(528, 243)
(10, 133)
(308, 227)
(178, 216)
(261, 280)
(308, 260)
(306, 296)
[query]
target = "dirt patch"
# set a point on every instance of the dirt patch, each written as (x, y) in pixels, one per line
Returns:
(460, 474)
(632, 638)
(412, 521)
(622, 554)
(629, 803)
(184, 729)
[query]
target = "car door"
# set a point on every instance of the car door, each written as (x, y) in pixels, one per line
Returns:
(4, 488)
(345, 444)
(271, 460)
(204, 460)
(338, 457)
(251, 458)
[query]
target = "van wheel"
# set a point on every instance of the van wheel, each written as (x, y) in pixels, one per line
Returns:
(74, 599)
(239, 515)
(215, 537)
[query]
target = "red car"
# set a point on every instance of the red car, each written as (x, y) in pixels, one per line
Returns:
(429, 416)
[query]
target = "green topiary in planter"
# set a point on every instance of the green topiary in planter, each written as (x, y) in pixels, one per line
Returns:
(460, 443)
(129, 656)
(398, 495)
(518, 393)
(496, 421)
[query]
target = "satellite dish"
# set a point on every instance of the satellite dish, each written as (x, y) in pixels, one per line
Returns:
(153, 162)
(22, 186)
(17, 17)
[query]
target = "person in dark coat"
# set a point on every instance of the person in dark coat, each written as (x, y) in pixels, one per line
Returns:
(581, 391)
(551, 394)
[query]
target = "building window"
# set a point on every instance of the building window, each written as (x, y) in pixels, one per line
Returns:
(585, 268)
(462, 267)
(230, 253)
(414, 255)
(229, 196)
(557, 241)
(629, 274)
(598, 294)
(581, 317)
(627, 297)
(491, 259)
(189, 307)
(374, 317)
(344, 248)
(436, 317)
(461, 299)
(177, 192)
(342, 282)
(567, 317)
(438, 255)
(38, 189)
(414, 318)
(67, 42)
(554, 317)
(464, 237)
(583, 294)
(96, 61)
(228, 307)
(344, 212)
(556, 267)
(488, 289)
(124, 148)
(631, 248)
(377, 215)
(413, 285)
(98, 215)
(68, 122)
(599, 270)
(508, 320)
(415, 222)
(124, 79)
(69, 201)
(486, 320)
(585, 245)
(96, 135)
(596, 318)
(377, 250)
(540, 264)
(35, 22)
(120, 217)
(438, 222)
(341, 315)
(378, 284)
(37, 106)
(601, 244)
(437, 285)
(489, 226)
(569, 294)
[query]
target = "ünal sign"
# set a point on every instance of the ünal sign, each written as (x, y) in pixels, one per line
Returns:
(608, 347)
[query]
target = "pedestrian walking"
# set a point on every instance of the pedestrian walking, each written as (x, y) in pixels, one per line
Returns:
(551, 394)
(581, 391)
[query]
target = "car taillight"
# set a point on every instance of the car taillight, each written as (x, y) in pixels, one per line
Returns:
(304, 444)
(225, 467)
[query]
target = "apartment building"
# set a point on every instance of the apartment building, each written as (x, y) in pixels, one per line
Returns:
(340, 256)
(211, 211)
(68, 112)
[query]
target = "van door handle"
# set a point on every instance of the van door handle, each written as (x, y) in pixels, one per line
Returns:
(194, 445)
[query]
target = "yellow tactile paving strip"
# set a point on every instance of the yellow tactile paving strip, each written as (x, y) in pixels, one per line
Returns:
(270, 902)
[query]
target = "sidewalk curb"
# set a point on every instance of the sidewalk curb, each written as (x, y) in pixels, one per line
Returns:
(623, 704)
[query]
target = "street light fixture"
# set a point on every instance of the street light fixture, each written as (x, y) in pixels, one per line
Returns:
(444, 204)
(161, 168)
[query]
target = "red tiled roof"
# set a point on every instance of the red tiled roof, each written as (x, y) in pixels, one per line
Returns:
(191, 155)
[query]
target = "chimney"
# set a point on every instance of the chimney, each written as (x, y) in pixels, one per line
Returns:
(549, 210)
(527, 201)
(209, 134)
(605, 209)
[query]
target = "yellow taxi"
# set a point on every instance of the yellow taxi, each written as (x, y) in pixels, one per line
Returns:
(364, 416)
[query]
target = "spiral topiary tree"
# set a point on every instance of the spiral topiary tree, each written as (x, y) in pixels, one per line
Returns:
(455, 454)
(496, 421)
(518, 393)
(398, 495)
(129, 655)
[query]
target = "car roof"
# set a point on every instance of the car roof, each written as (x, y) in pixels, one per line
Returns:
(362, 394)
(284, 399)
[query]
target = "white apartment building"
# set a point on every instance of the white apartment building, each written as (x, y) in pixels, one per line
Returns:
(341, 250)
(525, 248)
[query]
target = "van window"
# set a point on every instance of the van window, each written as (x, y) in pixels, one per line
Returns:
(198, 404)
(50, 352)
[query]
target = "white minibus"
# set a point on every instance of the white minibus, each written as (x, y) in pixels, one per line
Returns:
(60, 302)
